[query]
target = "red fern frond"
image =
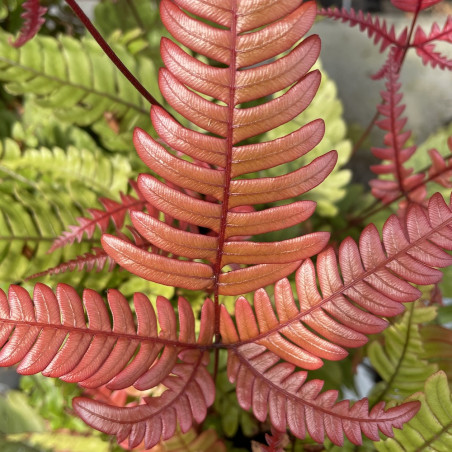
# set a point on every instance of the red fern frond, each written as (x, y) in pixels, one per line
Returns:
(190, 391)
(96, 259)
(282, 393)
(376, 28)
(113, 211)
(436, 33)
(33, 21)
(213, 186)
(49, 334)
(395, 152)
(430, 56)
(375, 281)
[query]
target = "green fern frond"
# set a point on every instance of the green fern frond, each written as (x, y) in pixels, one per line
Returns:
(399, 360)
(431, 428)
(41, 194)
(59, 72)
(103, 175)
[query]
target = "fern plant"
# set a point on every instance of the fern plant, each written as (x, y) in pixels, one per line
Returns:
(197, 220)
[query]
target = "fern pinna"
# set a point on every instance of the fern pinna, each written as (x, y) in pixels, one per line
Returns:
(206, 179)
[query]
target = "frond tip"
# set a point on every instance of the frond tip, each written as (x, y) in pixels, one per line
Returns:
(291, 402)
(190, 391)
(33, 21)
(431, 429)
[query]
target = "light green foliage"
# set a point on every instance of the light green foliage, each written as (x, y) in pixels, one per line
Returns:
(327, 106)
(431, 428)
(52, 399)
(61, 442)
(399, 360)
(16, 415)
(206, 441)
(60, 73)
(42, 193)
(128, 17)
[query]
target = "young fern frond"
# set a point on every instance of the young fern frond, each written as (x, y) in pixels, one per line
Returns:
(431, 428)
(96, 259)
(395, 152)
(376, 28)
(436, 33)
(114, 212)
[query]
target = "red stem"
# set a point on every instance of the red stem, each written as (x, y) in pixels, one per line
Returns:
(110, 53)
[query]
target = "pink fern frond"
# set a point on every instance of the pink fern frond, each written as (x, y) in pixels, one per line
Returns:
(363, 284)
(113, 211)
(376, 28)
(395, 153)
(279, 391)
(96, 259)
(33, 20)
(430, 56)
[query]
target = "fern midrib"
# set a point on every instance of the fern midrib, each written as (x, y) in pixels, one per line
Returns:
(390, 382)
(88, 90)
(117, 335)
(344, 288)
(227, 170)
